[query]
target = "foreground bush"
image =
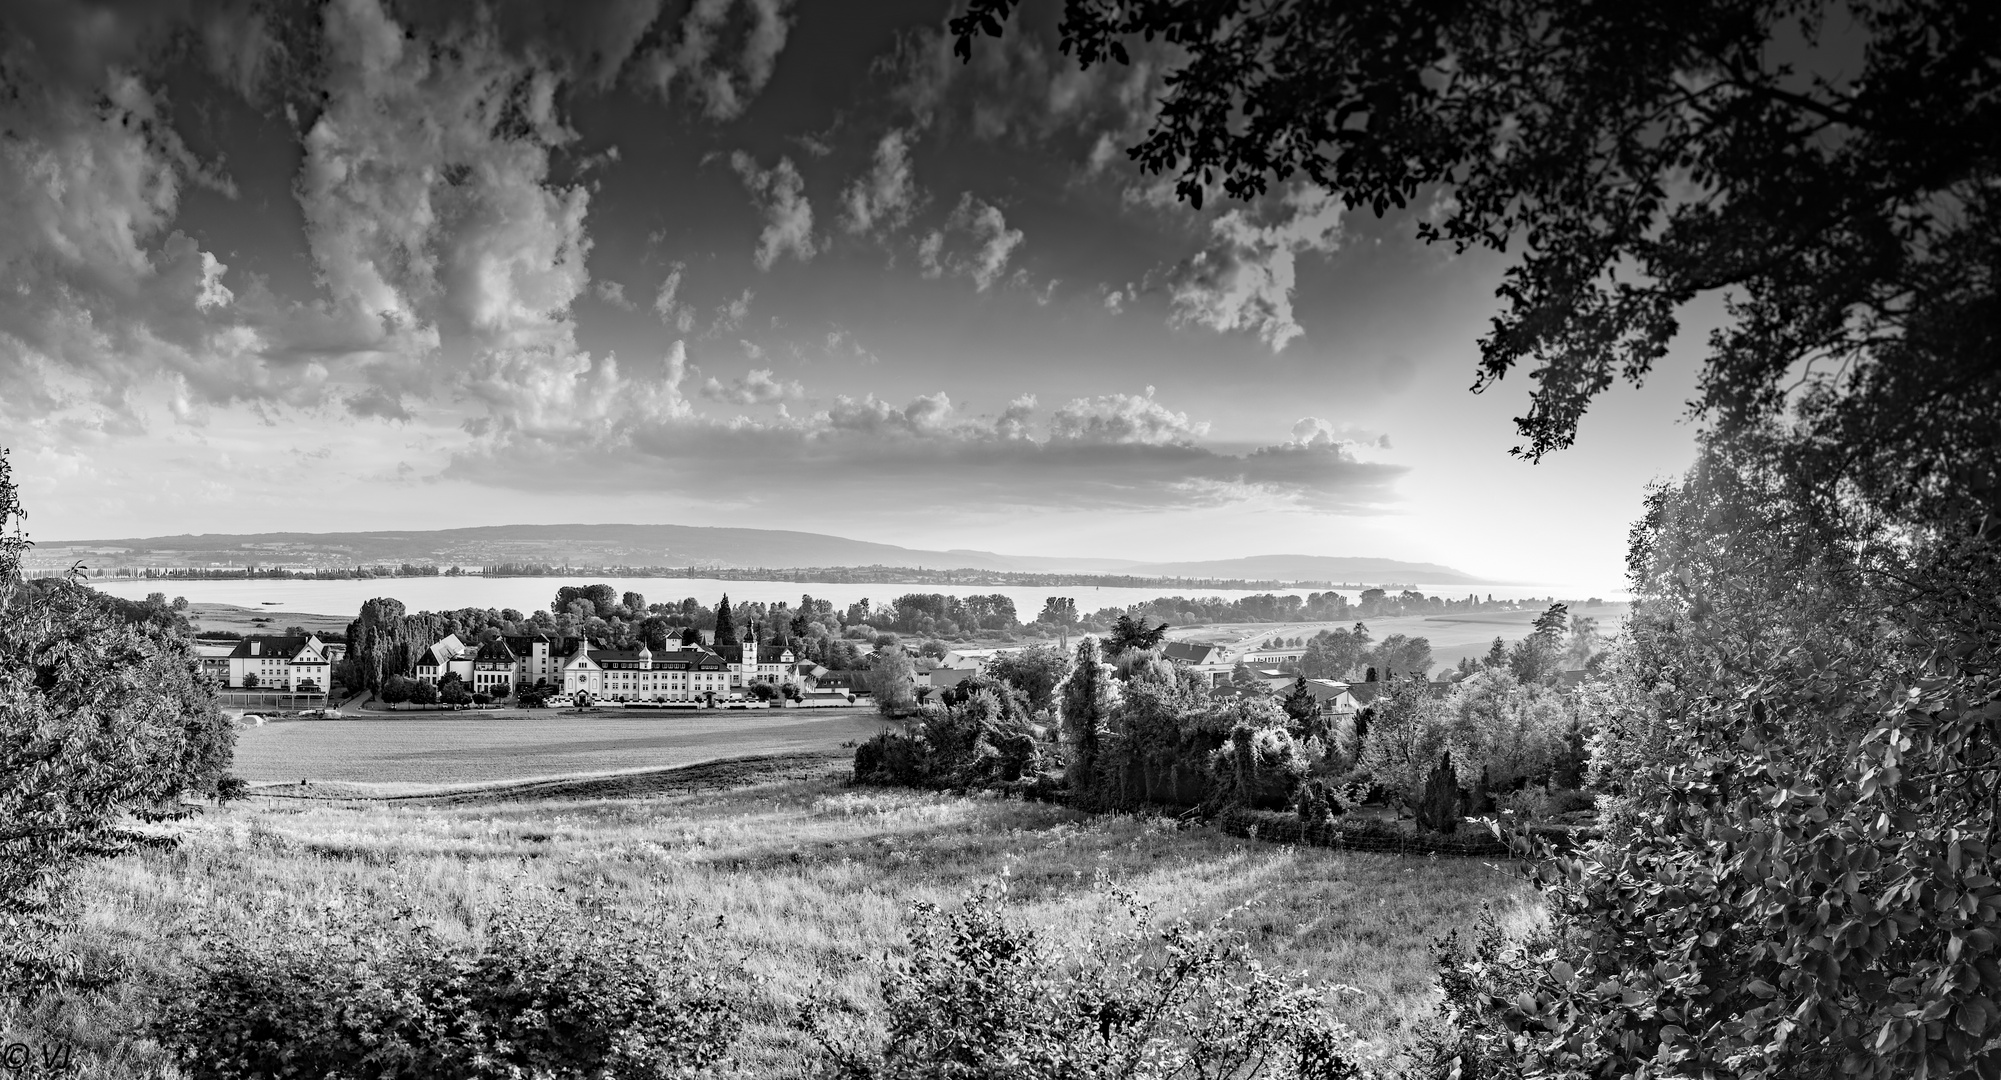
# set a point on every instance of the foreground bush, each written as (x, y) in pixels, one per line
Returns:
(982, 998)
(550, 994)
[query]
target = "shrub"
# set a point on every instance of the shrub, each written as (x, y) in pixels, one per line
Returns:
(980, 998)
(1259, 767)
(983, 740)
(1319, 800)
(550, 993)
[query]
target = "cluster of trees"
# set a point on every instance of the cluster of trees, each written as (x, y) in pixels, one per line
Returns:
(1353, 654)
(1137, 730)
(938, 613)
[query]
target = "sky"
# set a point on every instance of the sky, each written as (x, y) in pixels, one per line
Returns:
(360, 264)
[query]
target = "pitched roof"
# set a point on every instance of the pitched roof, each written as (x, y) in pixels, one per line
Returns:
(494, 652)
(1190, 652)
(269, 646)
(1325, 690)
(668, 660)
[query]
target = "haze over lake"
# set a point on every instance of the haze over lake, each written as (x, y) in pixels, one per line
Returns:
(345, 597)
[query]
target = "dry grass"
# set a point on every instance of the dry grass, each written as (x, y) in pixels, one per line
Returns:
(809, 878)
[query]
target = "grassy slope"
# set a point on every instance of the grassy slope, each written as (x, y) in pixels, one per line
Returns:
(808, 877)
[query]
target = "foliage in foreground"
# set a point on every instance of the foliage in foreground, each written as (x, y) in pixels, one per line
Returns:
(550, 993)
(981, 998)
(101, 720)
(1765, 923)
(1803, 746)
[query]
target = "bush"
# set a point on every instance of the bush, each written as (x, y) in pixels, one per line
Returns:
(1259, 767)
(984, 739)
(982, 999)
(549, 994)
(1319, 800)
(423, 693)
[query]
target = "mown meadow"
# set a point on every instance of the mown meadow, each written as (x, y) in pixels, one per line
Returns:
(795, 880)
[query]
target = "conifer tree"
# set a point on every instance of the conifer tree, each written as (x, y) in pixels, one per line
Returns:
(1086, 700)
(725, 623)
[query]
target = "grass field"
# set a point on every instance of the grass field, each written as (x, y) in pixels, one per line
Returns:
(407, 752)
(809, 878)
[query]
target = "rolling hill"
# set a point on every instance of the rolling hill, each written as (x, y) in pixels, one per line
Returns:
(674, 545)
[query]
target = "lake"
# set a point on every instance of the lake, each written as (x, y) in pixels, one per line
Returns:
(525, 594)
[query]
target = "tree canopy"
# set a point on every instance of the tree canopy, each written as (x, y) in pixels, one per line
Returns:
(1831, 165)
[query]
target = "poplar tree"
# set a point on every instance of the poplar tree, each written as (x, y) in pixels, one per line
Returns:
(725, 623)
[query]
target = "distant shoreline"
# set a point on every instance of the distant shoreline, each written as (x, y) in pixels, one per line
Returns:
(830, 575)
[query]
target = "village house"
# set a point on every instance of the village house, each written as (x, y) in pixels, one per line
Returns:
(1211, 662)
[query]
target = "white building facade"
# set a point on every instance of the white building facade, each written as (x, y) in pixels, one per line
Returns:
(292, 664)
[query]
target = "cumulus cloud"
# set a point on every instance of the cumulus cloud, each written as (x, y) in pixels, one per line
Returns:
(759, 387)
(104, 305)
(613, 293)
(780, 193)
(722, 55)
(1124, 419)
(430, 214)
(882, 201)
(975, 242)
(1244, 279)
